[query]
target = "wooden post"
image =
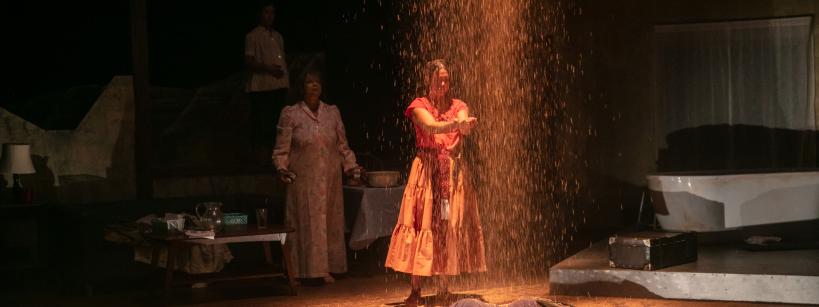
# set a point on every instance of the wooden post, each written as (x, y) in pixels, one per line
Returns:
(142, 100)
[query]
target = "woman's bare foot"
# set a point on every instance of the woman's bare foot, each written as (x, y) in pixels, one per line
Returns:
(329, 279)
(414, 299)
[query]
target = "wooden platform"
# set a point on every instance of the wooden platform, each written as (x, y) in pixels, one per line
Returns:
(720, 273)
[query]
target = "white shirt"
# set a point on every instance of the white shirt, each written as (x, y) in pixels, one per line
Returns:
(266, 47)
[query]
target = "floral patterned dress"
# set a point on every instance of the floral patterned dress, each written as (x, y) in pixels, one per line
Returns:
(314, 147)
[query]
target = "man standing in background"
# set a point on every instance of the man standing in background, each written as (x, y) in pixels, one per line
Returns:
(268, 81)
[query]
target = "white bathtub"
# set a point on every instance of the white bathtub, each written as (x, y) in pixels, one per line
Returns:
(710, 201)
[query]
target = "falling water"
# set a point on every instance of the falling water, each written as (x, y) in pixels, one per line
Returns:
(508, 67)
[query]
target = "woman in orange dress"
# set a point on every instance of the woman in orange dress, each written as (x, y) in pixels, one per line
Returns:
(438, 230)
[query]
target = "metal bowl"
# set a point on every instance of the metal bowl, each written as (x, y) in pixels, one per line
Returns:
(383, 179)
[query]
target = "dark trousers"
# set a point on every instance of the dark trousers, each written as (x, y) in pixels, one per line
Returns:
(265, 108)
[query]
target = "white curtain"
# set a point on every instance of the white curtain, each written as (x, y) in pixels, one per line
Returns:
(757, 72)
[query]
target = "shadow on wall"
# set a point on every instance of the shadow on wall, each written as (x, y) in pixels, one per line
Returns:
(207, 130)
(200, 129)
(118, 182)
(95, 161)
(73, 187)
(42, 182)
(100, 146)
(737, 147)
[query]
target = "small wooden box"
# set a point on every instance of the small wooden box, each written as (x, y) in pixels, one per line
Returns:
(652, 250)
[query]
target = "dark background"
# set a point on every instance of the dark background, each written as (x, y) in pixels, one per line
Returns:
(64, 53)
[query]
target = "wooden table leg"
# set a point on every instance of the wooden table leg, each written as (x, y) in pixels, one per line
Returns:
(267, 254)
(288, 266)
(169, 265)
(155, 252)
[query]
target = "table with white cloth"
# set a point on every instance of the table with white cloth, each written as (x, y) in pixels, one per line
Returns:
(370, 213)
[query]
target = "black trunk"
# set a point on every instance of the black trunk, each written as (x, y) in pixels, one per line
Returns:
(652, 250)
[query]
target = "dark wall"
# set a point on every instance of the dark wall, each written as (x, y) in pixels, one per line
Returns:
(58, 54)
(63, 45)
(193, 43)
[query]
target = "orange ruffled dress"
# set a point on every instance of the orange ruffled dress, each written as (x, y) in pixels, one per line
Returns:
(425, 241)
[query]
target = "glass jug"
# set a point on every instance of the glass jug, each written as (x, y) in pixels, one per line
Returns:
(210, 215)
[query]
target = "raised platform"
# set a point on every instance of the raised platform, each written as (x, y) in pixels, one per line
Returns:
(720, 273)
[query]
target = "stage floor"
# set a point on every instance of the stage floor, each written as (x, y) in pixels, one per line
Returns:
(381, 290)
(390, 290)
(367, 284)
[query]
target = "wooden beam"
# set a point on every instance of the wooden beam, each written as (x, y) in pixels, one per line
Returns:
(142, 100)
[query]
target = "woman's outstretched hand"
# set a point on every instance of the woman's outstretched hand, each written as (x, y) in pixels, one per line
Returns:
(355, 172)
(465, 125)
(355, 176)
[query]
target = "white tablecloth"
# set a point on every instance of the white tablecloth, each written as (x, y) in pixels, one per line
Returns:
(375, 214)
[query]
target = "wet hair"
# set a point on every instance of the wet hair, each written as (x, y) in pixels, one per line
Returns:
(428, 73)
